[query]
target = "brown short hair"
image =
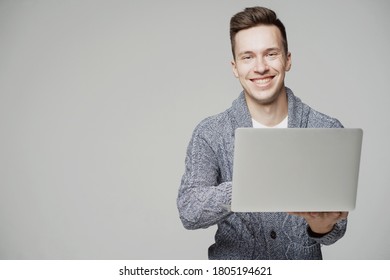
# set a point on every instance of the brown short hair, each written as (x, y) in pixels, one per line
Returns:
(254, 16)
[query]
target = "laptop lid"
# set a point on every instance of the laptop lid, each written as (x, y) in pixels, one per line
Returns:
(296, 169)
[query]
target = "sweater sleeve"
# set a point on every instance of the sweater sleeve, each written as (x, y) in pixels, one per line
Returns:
(202, 201)
(337, 232)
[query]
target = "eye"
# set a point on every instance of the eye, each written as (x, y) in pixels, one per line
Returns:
(272, 55)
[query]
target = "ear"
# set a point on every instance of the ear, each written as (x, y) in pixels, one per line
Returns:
(288, 62)
(234, 68)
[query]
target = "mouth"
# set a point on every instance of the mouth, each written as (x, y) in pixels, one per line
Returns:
(265, 81)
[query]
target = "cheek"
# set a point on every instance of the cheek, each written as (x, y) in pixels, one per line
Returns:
(283, 65)
(244, 70)
(277, 66)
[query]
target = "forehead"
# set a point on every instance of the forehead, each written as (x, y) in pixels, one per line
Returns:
(258, 38)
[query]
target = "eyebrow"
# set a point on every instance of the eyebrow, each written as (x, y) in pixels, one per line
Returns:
(246, 52)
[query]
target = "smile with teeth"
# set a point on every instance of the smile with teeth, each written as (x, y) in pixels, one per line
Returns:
(262, 81)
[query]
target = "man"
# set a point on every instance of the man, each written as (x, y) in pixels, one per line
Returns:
(260, 62)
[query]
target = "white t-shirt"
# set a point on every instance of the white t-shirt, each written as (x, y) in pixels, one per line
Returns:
(282, 124)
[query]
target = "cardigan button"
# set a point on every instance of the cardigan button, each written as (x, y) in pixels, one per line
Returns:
(273, 234)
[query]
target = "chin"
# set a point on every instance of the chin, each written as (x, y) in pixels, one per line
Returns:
(264, 99)
(266, 102)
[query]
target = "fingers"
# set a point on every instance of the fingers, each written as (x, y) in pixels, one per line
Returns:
(344, 215)
(315, 214)
(338, 215)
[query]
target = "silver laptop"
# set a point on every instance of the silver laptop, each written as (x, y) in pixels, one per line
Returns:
(296, 169)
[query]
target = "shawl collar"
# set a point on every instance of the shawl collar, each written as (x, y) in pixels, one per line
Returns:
(297, 111)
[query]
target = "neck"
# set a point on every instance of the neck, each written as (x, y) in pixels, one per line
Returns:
(269, 114)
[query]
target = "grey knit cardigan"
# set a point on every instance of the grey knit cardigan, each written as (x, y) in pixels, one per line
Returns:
(205, 192)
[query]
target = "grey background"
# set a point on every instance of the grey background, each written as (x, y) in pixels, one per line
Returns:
(98, 100)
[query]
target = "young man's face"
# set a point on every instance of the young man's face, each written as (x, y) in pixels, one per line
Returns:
(260, 63)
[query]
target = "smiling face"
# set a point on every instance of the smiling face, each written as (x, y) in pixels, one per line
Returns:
(260, 64)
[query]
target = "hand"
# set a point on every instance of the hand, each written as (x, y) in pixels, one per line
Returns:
(321, 222)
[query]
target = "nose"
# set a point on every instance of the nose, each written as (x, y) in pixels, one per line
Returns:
(261, 66)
